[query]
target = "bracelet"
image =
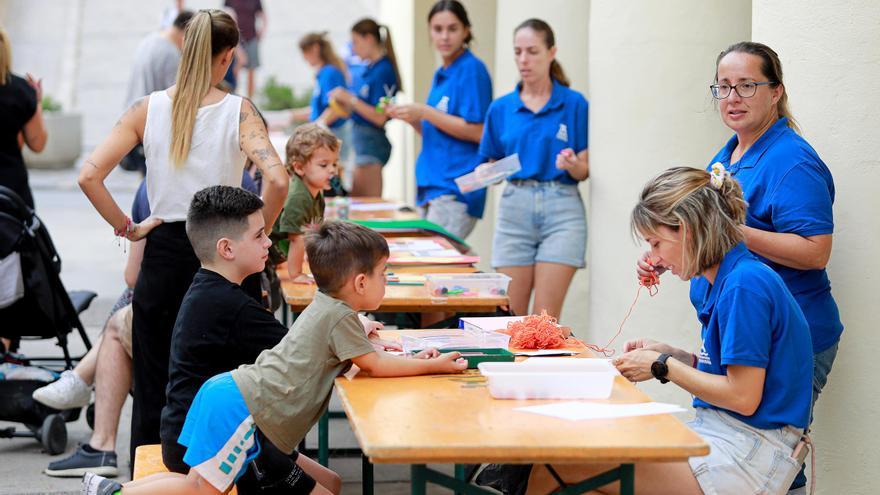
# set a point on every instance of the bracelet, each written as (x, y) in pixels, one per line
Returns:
(126, 230)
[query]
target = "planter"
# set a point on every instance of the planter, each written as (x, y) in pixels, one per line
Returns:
(64, 143)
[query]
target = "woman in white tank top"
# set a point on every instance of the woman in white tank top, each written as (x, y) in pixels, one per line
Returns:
(194, 136)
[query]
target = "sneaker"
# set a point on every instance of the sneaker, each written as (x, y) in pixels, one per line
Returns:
(67, 392)
(82, 461)
(92, 484)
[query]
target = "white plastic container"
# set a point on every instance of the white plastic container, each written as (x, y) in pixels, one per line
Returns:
(444, 340)
(443, 285)
(493, 173)
(549, 378)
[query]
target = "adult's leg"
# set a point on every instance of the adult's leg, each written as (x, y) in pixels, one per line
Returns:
(651, 478)
(551, 284)
(85, 369)
(113, 382)
(367, 181)
(520, 289)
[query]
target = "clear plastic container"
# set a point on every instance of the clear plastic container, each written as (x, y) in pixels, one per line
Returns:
(548, 378)
(497, 171)
(445, 340)
(444, 285)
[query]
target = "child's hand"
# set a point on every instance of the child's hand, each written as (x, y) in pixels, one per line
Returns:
(427, 354)
(384, 345)
(370, 326)
(303, 278)
(451, 362)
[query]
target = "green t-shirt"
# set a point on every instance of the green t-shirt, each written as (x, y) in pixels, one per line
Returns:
(288, 387)
(300, 208)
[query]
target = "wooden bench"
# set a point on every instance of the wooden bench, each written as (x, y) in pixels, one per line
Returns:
(148, 460)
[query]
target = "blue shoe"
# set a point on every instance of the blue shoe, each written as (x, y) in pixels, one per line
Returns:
(82, 462)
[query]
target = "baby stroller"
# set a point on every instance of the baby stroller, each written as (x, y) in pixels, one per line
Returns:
(34, 305)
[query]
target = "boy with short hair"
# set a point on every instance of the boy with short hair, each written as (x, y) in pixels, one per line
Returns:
(281, 396)
(311, 158)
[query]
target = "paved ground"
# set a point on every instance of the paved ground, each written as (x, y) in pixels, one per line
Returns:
(92, 260)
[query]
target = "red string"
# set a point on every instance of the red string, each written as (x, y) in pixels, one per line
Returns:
(650, 282)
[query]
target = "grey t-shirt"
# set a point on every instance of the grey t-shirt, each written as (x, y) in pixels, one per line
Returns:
(155, 67)
(288, 387)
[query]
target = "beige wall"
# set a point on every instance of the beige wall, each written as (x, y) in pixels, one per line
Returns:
(650, 67)
(831, 60)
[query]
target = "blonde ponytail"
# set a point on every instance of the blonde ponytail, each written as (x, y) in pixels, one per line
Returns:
(5, 57)
(208, 33)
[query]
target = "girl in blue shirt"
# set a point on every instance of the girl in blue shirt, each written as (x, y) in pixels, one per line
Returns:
(541, 233)
(331, 74)
(751, 378)
(370, 89)
(451, 123)
(790, 191)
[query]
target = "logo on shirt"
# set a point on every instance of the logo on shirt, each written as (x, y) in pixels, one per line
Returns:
(704, 356)
(562, 133)
(443, 104)
(364, 92)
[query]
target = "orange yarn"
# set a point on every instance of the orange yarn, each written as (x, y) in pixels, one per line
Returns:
(648, 282)
(536, 332)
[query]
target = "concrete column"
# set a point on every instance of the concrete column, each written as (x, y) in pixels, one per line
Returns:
(650, 67)
(830, 58)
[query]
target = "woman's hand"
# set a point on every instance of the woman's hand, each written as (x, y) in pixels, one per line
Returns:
(641, 343)
(143, 229)
(409, 113)
(645, 267)
(343, 96)
(635, 365)
(576, 164)
(37, 84)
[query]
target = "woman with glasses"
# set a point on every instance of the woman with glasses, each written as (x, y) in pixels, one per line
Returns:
(541, 233)
(789, 189)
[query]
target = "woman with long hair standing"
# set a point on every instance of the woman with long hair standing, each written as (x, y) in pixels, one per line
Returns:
(194, 136)
(541, 234)
(451, 123)
(379, 80)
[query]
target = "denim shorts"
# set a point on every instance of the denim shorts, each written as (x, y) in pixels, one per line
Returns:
(540, 222)
(450, 213)
(743, 459)
(371, 145)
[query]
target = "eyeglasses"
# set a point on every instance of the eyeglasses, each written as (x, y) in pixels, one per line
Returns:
(743, 89)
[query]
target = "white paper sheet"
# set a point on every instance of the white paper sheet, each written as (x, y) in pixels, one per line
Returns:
(373, 206)
(576, 411)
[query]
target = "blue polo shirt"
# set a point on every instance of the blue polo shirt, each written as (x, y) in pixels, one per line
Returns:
(327, 79)
(373, 82)
(538, 137)
(789, 189)
(750, 318)
(463, 89)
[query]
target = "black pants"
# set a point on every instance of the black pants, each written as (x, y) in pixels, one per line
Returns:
(166, 273)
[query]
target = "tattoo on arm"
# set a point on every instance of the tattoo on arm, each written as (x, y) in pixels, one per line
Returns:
(242, 116)
(90, 162)
(276, 164)
(263, 154)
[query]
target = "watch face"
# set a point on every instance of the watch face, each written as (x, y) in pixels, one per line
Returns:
(659, 369)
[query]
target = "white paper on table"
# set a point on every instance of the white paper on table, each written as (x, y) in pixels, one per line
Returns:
(373, 206)
(577, 411)
(417, 245)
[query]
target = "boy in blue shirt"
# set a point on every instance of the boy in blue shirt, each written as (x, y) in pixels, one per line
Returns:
(280, 397)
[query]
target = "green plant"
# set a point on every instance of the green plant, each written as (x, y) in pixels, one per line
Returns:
(277, 96)
(50, 104)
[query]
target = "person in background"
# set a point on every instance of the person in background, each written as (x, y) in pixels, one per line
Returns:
(541, 232)
(252, 22)
(451, 123)
(22, 122)
(371, 89)
(155, 68)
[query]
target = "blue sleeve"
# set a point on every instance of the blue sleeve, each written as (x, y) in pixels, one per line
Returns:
(490, 144)
(802, 202)
(248, 184)
(331, 80)
(140, 207)
(745, 328)
(475, 96)
(582, 120)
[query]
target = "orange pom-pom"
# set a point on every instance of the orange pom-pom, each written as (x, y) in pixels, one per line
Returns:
(536, 332)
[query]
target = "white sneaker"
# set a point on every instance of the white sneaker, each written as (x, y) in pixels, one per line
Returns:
(67, 392)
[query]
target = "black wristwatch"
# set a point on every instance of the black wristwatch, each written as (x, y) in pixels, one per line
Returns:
(659, 368)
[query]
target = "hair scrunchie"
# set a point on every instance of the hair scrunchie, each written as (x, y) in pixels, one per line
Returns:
(717, 175)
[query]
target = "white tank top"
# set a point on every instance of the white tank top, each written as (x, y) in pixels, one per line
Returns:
(215, 157)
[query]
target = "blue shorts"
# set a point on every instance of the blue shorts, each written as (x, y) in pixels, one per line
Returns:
(540, 222)
(371, 145)
(219, 433)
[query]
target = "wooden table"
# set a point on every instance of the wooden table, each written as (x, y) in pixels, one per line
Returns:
(452, 419)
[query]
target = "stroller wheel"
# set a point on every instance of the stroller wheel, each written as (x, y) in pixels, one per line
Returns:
(90, 415)
(53, 434)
